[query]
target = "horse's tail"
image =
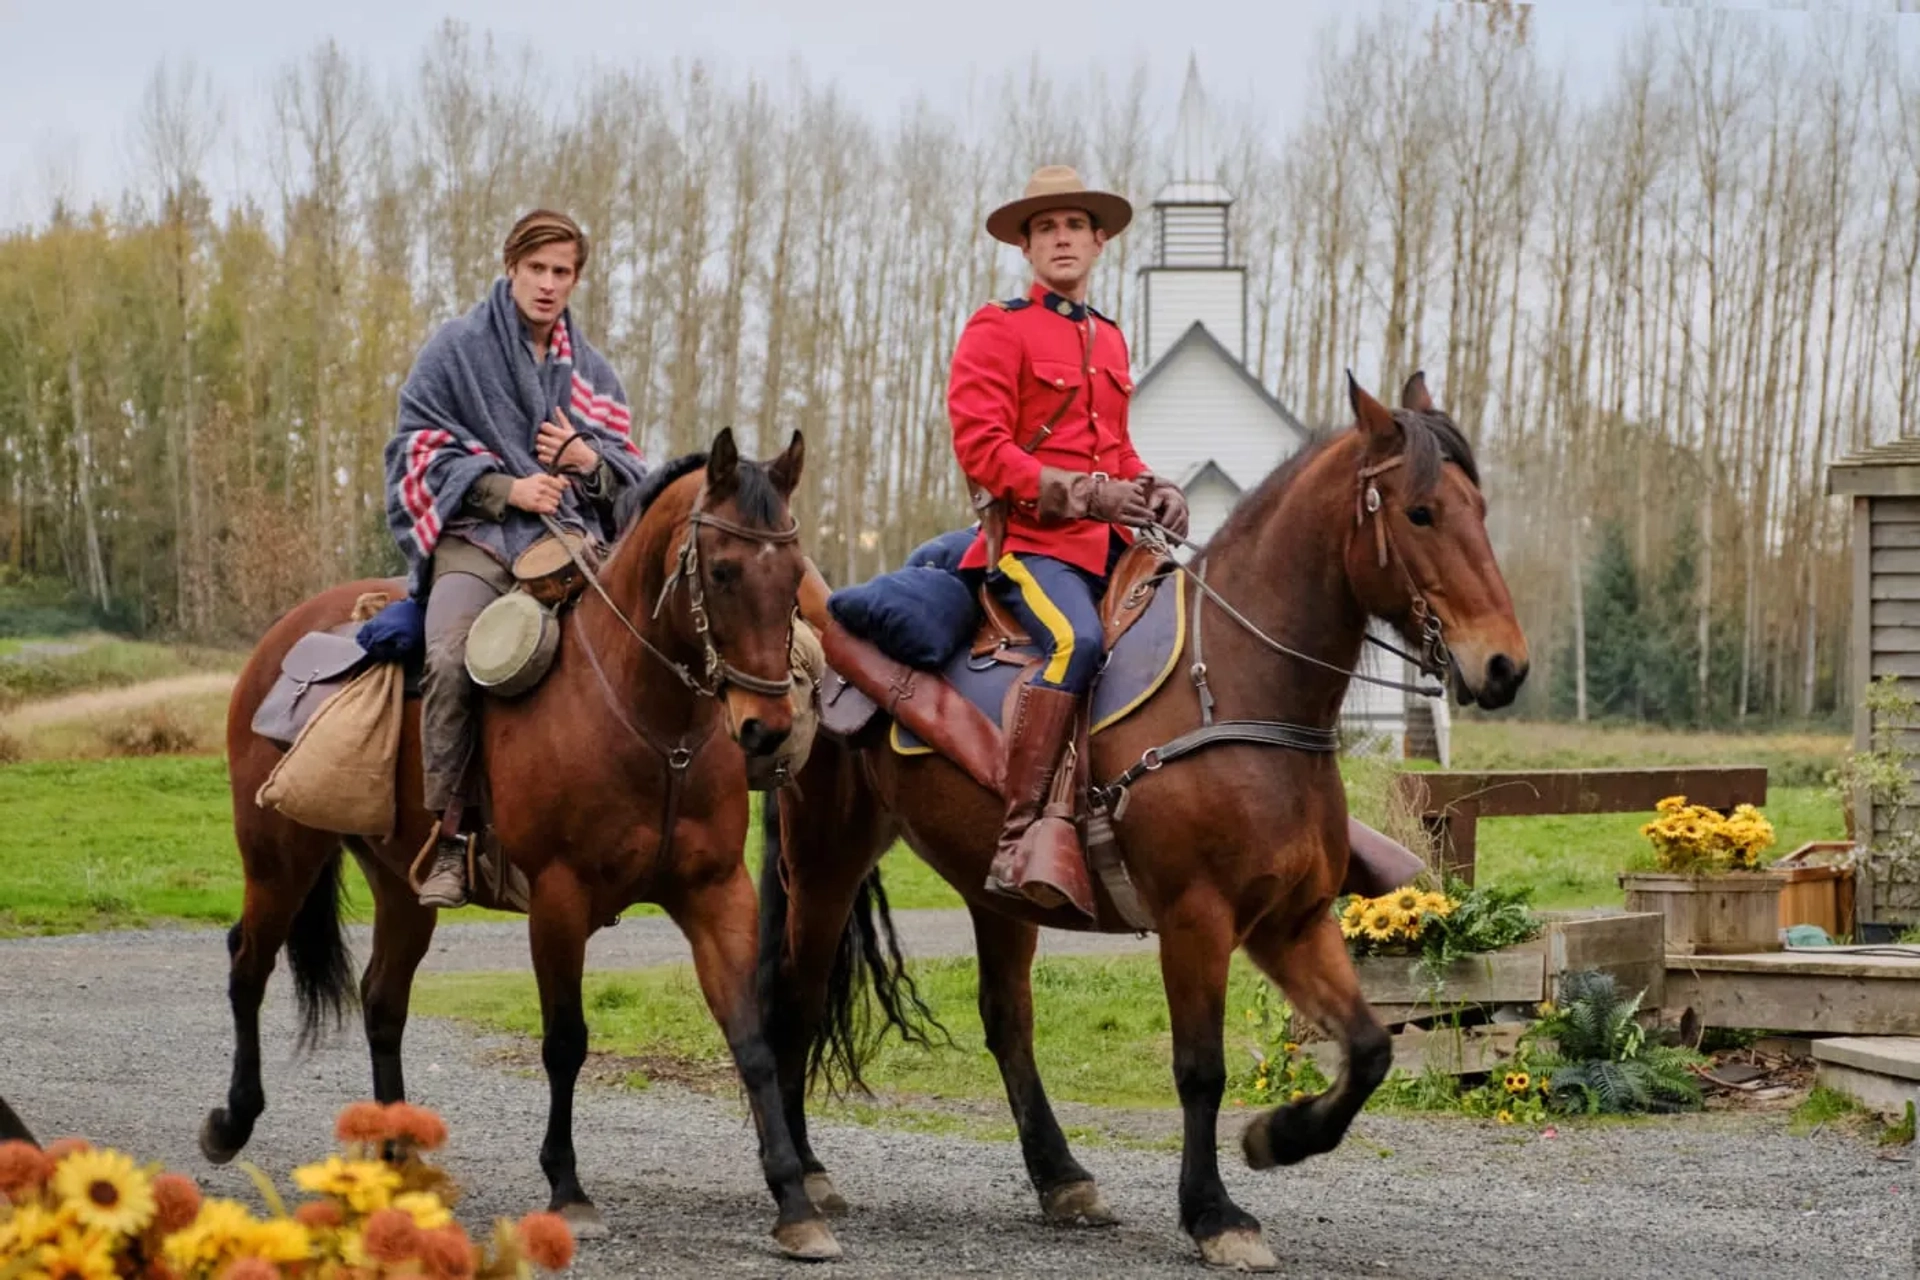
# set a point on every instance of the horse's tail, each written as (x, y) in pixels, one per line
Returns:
(869, 989)
(317, 953)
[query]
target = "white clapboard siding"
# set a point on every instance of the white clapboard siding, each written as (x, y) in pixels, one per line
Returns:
(1195, 407)
(1210, 499)
(1177, 297)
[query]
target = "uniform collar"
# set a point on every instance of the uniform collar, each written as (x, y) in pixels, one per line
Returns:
(1045, 297)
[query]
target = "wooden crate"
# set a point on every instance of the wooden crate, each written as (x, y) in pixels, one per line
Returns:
(1819, 886)
(1736, 913)
(1631, 946)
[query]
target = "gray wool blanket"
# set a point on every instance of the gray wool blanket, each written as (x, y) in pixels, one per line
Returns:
(473, 403)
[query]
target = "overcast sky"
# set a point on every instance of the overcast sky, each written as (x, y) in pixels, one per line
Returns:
(75, 69)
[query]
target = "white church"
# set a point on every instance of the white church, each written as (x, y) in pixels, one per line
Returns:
(1202, 419)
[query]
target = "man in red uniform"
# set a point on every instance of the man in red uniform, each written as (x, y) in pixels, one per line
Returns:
(1038, 398)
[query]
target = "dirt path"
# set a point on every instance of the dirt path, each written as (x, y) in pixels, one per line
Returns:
(83, 706)
(125, 1037)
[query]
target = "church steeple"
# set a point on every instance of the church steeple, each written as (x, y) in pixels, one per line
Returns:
(1192, 275)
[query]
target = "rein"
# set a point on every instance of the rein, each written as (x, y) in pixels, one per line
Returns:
(1110, 800)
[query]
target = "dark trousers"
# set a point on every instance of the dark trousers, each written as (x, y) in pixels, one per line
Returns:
(1058, 605)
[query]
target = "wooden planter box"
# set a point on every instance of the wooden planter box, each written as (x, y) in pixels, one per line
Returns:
(1708, 915)
(1819, 886)
(1631, 946)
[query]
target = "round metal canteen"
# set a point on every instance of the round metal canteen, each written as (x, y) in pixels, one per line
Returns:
(512, 644)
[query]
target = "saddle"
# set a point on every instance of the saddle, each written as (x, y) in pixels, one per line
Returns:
(963, 711)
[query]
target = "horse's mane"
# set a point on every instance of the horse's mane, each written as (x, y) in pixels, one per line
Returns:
(1432, 440)
(753, 492)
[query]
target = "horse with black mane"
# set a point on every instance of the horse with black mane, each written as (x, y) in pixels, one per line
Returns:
(1224, 790)
(611, 784)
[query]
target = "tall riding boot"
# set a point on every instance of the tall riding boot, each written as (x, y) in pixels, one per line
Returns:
(1039, 856)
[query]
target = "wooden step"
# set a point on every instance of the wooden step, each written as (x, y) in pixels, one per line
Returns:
(1883, 1072)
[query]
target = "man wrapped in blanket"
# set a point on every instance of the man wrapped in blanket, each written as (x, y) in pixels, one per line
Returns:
(507, 416)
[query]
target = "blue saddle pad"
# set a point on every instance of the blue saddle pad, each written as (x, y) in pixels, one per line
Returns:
(1138, 665)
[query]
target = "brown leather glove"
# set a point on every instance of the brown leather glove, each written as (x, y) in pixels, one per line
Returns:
(1075, 495)
(1169, 506)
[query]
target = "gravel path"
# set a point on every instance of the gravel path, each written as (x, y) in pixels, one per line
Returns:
(125, 1037)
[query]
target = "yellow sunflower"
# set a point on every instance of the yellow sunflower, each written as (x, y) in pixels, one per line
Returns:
(1518, 1082)
(277, 1240)
(424, 1208)
(216, 1235)
(1379, 922)
(1410, 901)
(1408, 922)
(77, 1254)
(1438, 903)
(30, 1227)
(1356, 908)
(366, 1185)
(106, 1189)
(1505, 1116)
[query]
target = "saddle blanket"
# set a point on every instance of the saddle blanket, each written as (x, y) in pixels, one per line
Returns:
(1135, 669)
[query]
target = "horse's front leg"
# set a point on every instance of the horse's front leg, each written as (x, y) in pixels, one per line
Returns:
(719, 918)
(558, 926)
(1313, 968)
(1196, 944)
(1068, 1196)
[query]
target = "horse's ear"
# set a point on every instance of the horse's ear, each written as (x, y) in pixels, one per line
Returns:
(1373, 418)
(784, 471)
(723, 464)
(1415, 396)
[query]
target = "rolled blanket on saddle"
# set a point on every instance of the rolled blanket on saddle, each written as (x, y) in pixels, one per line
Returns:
(919, 615)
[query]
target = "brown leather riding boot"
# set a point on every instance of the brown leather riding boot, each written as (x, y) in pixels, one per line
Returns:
(1039, 857)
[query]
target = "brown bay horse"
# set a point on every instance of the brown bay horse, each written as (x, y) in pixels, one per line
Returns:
(611, 784)
(1240, 845)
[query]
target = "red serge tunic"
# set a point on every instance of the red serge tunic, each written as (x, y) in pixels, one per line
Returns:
(1015, 366)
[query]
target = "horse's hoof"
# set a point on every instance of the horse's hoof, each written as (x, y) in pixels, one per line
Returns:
(585, 1222)
(1256, 1142)
(1077, 1204)
(1239, 1249)
(807, 1241)
(211, 1147)
(825, 1197)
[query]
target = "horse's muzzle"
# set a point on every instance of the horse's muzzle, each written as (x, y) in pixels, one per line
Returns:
(757, 739)
(1498, 685)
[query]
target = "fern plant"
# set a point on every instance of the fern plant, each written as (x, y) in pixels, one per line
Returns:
(1605, 1063)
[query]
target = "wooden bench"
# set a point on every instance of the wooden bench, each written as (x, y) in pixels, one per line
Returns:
(1451, 804)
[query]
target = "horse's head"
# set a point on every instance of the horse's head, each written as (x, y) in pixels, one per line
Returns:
(1420, 557)
(738, 561)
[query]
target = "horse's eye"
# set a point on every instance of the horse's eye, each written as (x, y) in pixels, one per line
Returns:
(1422, 516)
(726, 574)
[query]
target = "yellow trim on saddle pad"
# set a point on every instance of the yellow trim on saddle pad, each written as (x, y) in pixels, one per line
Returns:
(1178, 585)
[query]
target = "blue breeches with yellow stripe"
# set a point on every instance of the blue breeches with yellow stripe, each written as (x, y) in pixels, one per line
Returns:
(1057, 603)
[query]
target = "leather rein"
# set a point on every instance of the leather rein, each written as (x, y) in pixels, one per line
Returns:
(719, 673)
(1433, 660)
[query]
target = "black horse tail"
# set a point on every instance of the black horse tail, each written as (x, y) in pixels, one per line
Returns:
(317, 952)
(869, 990)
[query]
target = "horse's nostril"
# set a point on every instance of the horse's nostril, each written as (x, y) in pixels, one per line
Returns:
(1499, 670)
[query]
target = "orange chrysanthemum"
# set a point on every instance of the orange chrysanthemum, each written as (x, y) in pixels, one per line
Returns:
(176, 1202)
(417, 1125)
(448, 1253)
(363, 1122)
(391, 1236)
(22, 1166)
(547, 1240)
(321, 1215)
(60, 1148)
(250, 1269)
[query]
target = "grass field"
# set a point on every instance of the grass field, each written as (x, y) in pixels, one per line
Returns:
(119, 842)
(48, 668)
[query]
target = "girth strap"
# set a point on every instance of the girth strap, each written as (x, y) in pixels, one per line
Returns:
(1266, 733)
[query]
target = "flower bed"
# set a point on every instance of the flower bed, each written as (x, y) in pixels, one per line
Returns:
(378, 1208)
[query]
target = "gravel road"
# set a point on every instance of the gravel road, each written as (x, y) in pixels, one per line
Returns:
(125, 1037)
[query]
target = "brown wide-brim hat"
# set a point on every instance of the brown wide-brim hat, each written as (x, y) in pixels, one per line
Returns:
(1057, 186)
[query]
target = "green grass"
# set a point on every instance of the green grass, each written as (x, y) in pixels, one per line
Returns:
(105, 843)
(1824, 1106)
(121, 843)
(1572, 861)
(1794, 758)
(1107, 1040)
